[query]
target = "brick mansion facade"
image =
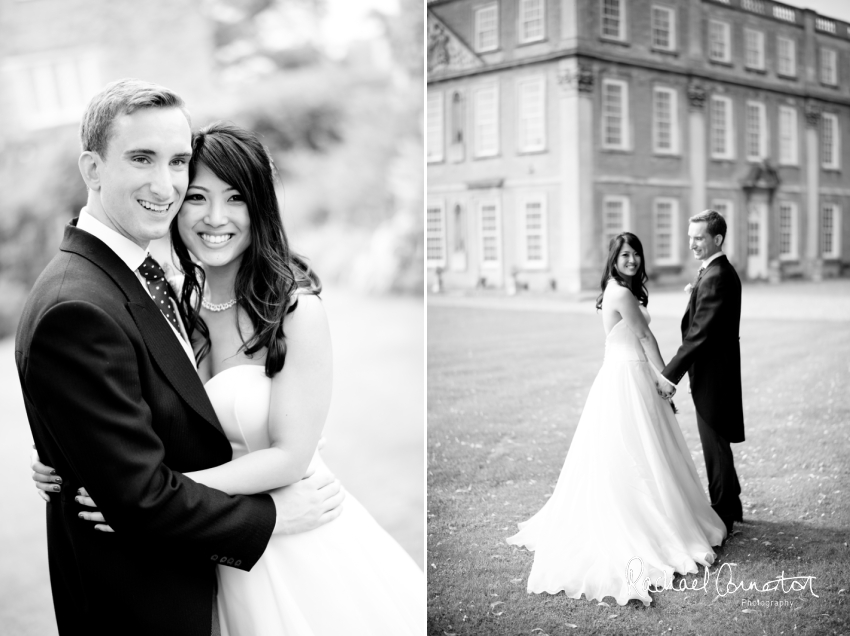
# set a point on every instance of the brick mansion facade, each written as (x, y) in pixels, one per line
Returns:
(553, 125)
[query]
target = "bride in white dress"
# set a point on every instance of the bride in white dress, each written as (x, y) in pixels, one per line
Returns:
(262, 341)
(628, 510)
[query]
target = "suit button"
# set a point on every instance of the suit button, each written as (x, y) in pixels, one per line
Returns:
(230, 561)
(223, 560)
(238, 562)
(214, 557)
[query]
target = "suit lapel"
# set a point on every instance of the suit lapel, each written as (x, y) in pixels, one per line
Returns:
(157, 335)
(720, 261)
(171, 359)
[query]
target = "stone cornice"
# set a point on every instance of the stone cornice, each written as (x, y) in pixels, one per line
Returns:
(687, 73)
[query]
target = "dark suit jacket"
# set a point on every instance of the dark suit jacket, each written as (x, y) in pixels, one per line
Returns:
(711, 350)
(115, 406)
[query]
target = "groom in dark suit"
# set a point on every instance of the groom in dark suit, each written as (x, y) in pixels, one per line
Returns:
(115, 403)
(711, 355)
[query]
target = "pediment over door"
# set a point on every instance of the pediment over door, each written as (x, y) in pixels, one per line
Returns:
(761, 179)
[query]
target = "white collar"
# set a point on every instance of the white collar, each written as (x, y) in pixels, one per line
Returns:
(132, 255)
(717, 254)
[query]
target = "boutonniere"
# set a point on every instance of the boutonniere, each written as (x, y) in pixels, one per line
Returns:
(690, 286)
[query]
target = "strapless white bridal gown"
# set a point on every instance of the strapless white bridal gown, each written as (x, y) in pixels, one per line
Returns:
(347, 577)
(628, 488)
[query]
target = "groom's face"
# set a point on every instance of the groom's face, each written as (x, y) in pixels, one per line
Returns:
(702, 244)
(144, 173)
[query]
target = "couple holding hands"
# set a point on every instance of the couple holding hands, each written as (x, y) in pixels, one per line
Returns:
(629, 488)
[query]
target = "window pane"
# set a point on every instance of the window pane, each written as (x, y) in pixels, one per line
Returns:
(613, 114)
(534, 232)
(787, 57)
(489, 233)
(754, 48)
(828, 126)
(614, 219)
(435, 126)
(486, 28)
(486, 122)
(828, 229)
(662, 28)
(754, 132)
(718, 41)
(827, 67)
(753, 228)
(663, 111)
(663, 230)
(787, 135)
(719, 127)
(611, 18)
(785, 222)
(532, 115)
(435, 234)
(531, 20)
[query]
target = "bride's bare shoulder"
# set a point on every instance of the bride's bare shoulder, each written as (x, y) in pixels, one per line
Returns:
(614, 291)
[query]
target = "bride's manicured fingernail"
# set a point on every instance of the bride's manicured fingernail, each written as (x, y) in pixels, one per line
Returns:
(57, 488)
(81, 516)
(58, 480)
(52, 472)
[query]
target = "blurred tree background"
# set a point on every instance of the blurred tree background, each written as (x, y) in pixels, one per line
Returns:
(334, 88)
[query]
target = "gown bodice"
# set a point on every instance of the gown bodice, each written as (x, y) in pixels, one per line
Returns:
(622, 344)
(350, 564)
(240, 396)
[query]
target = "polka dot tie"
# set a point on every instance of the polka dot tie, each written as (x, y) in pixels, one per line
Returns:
(159, 289)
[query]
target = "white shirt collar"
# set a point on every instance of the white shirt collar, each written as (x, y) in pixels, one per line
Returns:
(711, 258)
(132, 255)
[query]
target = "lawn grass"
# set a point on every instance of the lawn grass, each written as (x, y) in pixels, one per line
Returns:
(505, 391)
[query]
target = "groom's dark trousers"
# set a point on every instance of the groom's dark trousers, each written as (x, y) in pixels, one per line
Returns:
(116, 406)
(711, 356)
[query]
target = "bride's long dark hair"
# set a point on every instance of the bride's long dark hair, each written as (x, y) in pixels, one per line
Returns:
(638, 284)
(269, 272)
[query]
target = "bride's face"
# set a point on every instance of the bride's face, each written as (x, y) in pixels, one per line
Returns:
(214, 222)
(628, 261)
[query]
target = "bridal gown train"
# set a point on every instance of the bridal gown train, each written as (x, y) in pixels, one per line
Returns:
(346, 577)
(628, 488)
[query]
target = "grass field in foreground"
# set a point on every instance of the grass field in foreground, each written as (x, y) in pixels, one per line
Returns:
(505, 391)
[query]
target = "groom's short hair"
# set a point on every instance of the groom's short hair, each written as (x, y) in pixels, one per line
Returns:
(714, 222)
(122, 97)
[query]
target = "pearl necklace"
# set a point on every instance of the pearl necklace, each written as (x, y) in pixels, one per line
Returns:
(220, 307)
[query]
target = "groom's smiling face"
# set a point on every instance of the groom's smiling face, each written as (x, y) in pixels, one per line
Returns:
(144, 174)
(702, 244)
